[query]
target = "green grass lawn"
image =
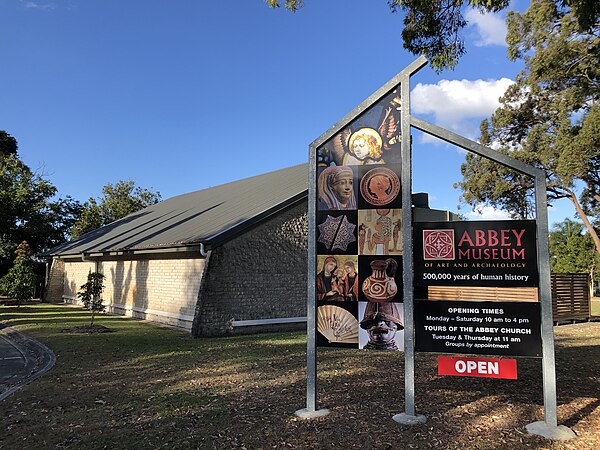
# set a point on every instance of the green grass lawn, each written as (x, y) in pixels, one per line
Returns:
(595, 307)
(144, 386)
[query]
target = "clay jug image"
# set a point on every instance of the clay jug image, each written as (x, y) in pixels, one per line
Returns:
(380, 286)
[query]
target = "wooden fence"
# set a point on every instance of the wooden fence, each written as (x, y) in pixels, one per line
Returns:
(570, 295)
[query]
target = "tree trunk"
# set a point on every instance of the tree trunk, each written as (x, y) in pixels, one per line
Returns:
(92, 311)
(585, 220)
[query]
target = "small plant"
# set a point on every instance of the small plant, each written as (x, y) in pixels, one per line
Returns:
(89, 293)
(19, 281)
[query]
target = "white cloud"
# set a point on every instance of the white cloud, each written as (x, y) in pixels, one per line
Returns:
(459, 105)
(491, 28)
(483, 212)
(35, 5)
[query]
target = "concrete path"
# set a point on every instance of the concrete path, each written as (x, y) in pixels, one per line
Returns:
(22, 360)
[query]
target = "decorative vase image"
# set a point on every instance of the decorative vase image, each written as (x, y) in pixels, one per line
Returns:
(380, 286)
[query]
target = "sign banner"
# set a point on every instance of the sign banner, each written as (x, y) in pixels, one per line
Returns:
(478, 328)
(462, 366)
(358, 278)
(499, 253)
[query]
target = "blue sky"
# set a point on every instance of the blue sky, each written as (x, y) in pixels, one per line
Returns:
(183, 95)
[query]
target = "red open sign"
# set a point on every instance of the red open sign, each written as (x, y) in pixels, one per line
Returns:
(462, 366)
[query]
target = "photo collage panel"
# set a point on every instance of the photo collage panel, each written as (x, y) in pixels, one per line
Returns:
(358, 276)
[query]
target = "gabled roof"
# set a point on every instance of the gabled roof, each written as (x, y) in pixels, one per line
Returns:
(211, 216)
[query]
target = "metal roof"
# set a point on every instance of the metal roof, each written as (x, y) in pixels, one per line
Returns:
(211, 216)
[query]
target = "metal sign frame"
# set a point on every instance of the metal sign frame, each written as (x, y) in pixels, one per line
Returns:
(548, 427)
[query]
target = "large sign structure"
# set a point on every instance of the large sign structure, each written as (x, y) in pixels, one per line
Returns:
(362, 275)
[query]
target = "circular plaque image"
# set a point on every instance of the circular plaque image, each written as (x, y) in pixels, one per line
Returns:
(380, 186)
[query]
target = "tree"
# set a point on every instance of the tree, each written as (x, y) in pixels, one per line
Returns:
(550, 118)
(433, 27)
(572, 250)
(117, 201)
(90, 292)
(8, 144)
(19, 282)
(30, 211)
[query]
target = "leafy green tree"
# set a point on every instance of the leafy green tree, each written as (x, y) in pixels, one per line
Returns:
(572, 250)
(29, 211)
(90, 292)
(19, 282)
(8, 144)
(549, 118)
(117, 201)
(433, 27)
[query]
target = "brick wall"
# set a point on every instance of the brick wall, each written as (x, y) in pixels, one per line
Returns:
(159, 288)
(74, 275)
(55, 283)
(258, 275)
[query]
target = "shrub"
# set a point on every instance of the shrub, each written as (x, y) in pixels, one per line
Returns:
(89, 293)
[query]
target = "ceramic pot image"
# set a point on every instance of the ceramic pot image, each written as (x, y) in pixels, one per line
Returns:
(380, 286)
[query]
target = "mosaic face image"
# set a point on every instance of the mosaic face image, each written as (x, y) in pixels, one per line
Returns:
(381, 326)
(336, 188)
(380, 232)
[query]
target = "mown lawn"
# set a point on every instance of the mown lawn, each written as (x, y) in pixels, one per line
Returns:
(595, 307)
(143, 386)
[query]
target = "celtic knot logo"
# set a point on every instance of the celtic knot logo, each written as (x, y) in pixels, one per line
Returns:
(438, 244)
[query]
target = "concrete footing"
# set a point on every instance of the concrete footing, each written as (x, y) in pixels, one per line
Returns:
(559, 433)
(306, 413)
(406, 419)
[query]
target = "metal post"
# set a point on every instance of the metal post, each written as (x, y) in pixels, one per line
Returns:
(311, 323)
(549, 427)
(408, 417)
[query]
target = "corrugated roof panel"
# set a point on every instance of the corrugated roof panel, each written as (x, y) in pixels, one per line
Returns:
(194, 217)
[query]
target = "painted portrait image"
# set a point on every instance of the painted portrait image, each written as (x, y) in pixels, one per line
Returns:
(337, 278)
(336, 188)
(373, 138)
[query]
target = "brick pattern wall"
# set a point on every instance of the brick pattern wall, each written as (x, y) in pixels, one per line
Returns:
(55, 283)
(259, 275)
(162, 289)
(75, 274)
(159, 288)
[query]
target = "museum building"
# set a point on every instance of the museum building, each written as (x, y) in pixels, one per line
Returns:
(229, 259)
